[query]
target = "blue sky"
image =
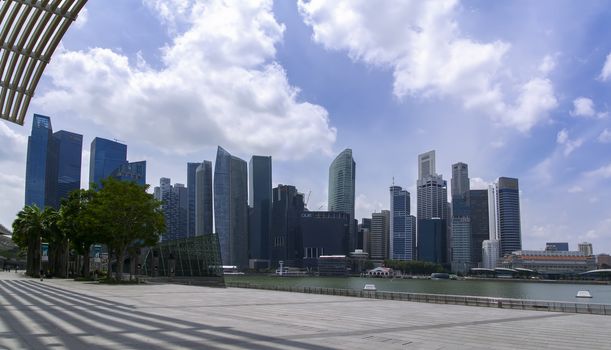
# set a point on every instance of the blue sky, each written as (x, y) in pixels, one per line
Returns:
(513, 88)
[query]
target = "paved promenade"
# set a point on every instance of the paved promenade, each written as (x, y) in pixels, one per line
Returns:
(75, 315)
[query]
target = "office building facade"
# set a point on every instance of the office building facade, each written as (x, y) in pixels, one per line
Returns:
(480, 218)
(432, 243)
(402, 225)
(191, 188)
(379, 235)
(231, 208)
(106, 157)
(175, 206)
(203, 199)
(286, 242)
(323, 233)
(260, 202)
(508, 216)
(342, 180)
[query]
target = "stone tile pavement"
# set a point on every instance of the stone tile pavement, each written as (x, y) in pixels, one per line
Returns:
(76, 315)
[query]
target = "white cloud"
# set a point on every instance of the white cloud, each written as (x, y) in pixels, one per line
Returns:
(547, 64)
(364, 206)
(583, 107)
(477, 183)
(421, 43)
(81, 20)
(605, 74)
(602, 172)
(569, 145)
(219, 84)
(605, 136)
(12, 144)
(575, 189)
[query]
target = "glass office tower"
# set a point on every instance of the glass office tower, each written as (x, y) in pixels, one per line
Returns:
(260, 201)
(39, 165)
(106, 156)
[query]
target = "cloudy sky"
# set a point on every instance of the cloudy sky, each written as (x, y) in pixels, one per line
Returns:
(513, 88)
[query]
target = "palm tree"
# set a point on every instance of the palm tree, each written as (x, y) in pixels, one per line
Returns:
(58, 242)
(27, 231)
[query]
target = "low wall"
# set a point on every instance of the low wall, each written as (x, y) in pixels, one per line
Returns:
(502, 303)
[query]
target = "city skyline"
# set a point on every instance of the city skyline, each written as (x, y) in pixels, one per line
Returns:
(559, 151)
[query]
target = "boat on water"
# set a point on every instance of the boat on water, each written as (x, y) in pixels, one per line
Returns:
(583, 294)
(440, 276)
(370, 287)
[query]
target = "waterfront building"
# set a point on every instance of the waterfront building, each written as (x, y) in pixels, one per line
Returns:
(191, 188)
(131, 171)
(432, 203)
(603, 261)
(557, 246)
(508, 215)
(586, 248)
(379, 235)
(332, 265)
(402, 226)
(490, 253)
(69, 148)
(432, 242)
(260, 202)
(175, 207)
(203, 198)
(323, 233)
(480, 230)
(53, 165)
(342, 177)
(106, 156)
(550, 263)
(285, 240)
(231, 208)
(364, 228)
(461, 219)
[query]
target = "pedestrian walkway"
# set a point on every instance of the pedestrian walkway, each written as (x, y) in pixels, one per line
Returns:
(77, 315)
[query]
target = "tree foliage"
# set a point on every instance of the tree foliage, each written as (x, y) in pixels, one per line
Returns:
(27, 231)
(126, 216)
(414, 267)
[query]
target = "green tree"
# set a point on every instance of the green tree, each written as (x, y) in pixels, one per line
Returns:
(79, 224)
(27, 231)
(55, 236)
(127, 217)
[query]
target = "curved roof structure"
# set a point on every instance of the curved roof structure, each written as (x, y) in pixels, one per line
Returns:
(30, 32)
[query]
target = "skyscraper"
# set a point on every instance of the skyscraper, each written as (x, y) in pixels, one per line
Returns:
(286, 242)
(432, 204)
(69, 157)
(432, 243)
(40, 169)
(480, 230)
(402, 225)
(203, 198)
(53, 167)
(260, 200)
(174, 207)
(231, 207)
(461, 219)
(379, 235)
(134, 172)
(191, 184)
(508, 207)
(342, 174)
(106, 156)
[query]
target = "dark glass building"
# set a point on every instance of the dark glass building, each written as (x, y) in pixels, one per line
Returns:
(432, 245)
(508, 207)
(557, 246)
(191, 184)
(106, 156)
(53, 167)
(260, 202)
(402, 225)
(203, 199)
(342, 181)
(134, 172)
(69, 158)
(286, 242)
(174, 205)
(480, 229)
(231, 208)
(324, 233)
(40, 168)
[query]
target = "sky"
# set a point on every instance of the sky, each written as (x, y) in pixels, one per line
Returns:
(512, 88)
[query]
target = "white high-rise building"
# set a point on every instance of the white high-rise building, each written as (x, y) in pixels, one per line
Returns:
(426, 164)
(586, 248)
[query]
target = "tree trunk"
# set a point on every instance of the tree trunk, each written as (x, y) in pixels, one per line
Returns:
(120, 256)
(86, 263)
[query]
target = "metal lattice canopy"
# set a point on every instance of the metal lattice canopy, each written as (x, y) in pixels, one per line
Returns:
(30, 32)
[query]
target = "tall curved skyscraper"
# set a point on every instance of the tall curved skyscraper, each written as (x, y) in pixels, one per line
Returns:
(341, 189)
(231, 208)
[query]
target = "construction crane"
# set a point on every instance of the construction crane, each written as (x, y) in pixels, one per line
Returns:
(308, 199)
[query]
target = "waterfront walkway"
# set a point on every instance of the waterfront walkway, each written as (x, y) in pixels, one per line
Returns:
(75, 315)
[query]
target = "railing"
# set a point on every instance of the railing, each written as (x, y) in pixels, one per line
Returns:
(502, 303)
